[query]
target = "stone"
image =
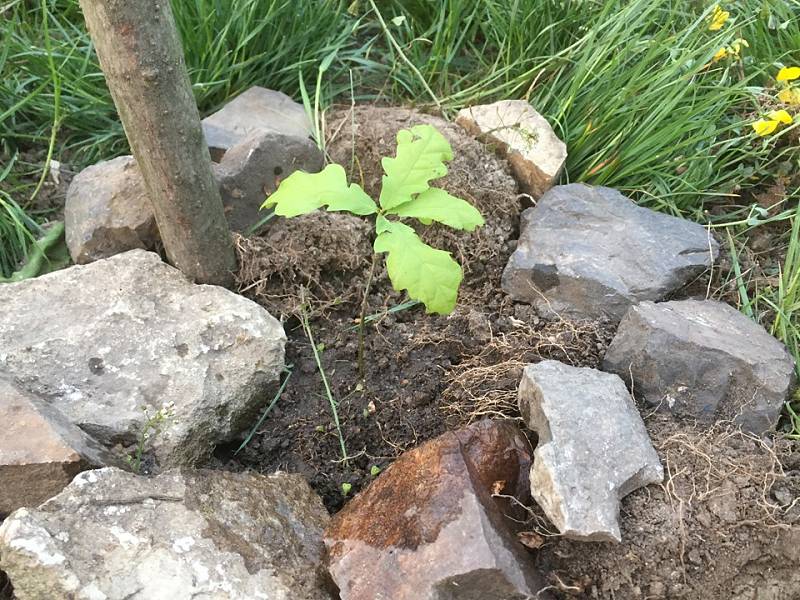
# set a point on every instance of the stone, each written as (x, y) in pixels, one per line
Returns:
(107, 211)
(40, 450)
(256, 110)
(428, 528)
(593, 447)
(590, 253)
(101, 341)
(254, 167)
(523, 137)
(182, 535)
(703, 360)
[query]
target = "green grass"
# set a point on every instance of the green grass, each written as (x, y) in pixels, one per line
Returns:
(629, 85)
(18, 231)
(229, 46)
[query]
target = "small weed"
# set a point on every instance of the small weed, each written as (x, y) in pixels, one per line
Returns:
(153, 425)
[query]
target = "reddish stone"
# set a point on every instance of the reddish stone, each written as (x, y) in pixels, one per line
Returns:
(40, 450)
(428, 527)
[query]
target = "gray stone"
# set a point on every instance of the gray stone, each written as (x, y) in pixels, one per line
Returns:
(183, 535)
(589, 252)
(593, 447)
(429, 529)
(703, 360)
(256, 110)
(107, 211)
(523, 137)
(104, 340)
(253, 169)
(40, 450)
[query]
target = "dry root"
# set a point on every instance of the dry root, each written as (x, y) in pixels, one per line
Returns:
(485, 384)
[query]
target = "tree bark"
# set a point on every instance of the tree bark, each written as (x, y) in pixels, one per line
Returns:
(141, 55)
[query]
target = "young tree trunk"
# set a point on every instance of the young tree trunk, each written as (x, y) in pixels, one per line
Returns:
(141, 55)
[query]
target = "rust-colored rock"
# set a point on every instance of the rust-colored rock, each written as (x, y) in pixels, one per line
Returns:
(428, 527)
(40, 450)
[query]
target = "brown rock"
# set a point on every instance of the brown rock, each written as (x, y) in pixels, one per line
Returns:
(428, 527)
(523, 137)
(107, 211)
(40, 450)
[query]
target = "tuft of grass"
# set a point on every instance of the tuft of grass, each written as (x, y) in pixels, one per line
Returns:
(229, 46)
(18, 231)
(630, 86)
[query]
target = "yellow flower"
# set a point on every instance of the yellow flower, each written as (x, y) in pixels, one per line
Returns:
(781, 116)
(762, 127)
(737, 45)
(734, 50)
(788, 73)
(718, 18)
(765, 127)
(721, 53)
(790, 96)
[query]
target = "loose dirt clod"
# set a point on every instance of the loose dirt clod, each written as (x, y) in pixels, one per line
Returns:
(325, 253)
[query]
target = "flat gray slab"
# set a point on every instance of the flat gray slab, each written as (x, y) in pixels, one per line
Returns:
(183, 535)
(589, 252)
(703, 360)
(103, 341)
(593, 447)
(258, 110)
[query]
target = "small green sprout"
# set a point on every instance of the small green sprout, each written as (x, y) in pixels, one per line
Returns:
(375, 470)
(346, 487)
(429, 275)
(154, 423)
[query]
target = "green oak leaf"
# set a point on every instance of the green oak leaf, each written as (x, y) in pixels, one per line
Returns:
(427, 274)
(421, 152)
(435, 204)
(302, 193)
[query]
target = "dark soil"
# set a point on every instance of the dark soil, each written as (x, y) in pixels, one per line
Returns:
(424, 374)
(726, 524)
(6, 591)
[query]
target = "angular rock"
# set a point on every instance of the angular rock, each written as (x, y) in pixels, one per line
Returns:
(103, 340)
(428, 528)
(107, 211)
(593, 447)
(40, 450)
(254, 167)
(523, 137)
(590, 253)
(182, 535)
(704, 360)
(256, 110)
